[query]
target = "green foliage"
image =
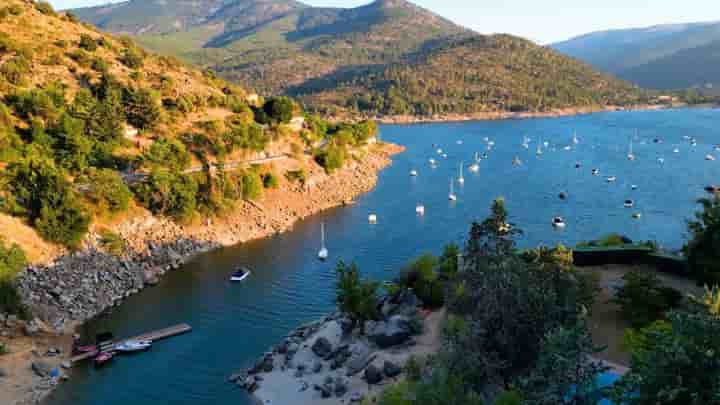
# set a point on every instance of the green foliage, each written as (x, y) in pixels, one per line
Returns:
(10, 300)
(643, 299)
(132, 58)
(45, 8)
(252, 185)
(276, 110)
(167, 152)
(168, 193)
(296, 176)
(412, 369)
(679, 365)
(46, 104)
(15, 70)
(12, 260)
(710, 300)
(397, 394)
(15, 9)
(331, 158)
(71, 147)
(142, 108)
(493, 238)
(88, 43)
(449, 260)
(270, 180)
(108, 191)
(509, 398)
(564, 372)
(703, 249)
(420, 276)
(637, 341)
(113, 243)
(355, 297)
(244, 136)
(40, 192)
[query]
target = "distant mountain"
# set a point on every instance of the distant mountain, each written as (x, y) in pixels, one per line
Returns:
(654, 57)
(388, 57)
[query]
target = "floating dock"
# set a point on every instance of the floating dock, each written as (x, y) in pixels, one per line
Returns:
(153, 336)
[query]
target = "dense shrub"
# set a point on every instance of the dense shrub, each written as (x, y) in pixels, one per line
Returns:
(40, 192)
(15, 70)
(331, 158)
(296, 176)
(88, 43)
(168, 193)
(276, 110)
(107, 191)
(15, 9)
(12, 260)
(7, 44)
(643, 299)
(46, 104)
(167, 152)
(71, 147)
(420, 276)
(355, 297)
(132, 58)
(142, 108)
(112, 243)
(270, 180)
(703, 249)
(45, 8)
(252, 185)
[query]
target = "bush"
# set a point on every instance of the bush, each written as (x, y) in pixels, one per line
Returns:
(112, 243)
(15, 9)
(643, 299)
(252, 185)
(99, 65)
(296, 176)
(132, 58)
(142, 108)
(12, 260)
(87, 43)
(41, 193)
(45, 8)
(108, 191)
(270, 180)
(703, 249)
(15, 70)
(168, 193)
(331, 158)
(10, 300)
(420, 277)
(169, 153)
(7, 44)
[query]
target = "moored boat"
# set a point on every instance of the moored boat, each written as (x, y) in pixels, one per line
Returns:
(240, 274)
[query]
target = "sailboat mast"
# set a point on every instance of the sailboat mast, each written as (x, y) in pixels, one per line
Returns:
(322, 234)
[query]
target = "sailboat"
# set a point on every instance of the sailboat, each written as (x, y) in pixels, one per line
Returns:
(323, 253)
(475, 167)
(461, 179)
(452, 196)
(631, 155)
(575, 139)
(526, 142)
(539, 151)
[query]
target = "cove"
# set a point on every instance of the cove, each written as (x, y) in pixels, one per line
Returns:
(234, 323)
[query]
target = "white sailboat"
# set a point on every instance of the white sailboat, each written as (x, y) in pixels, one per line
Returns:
(475, 167)
(539, 151)
(631, 155)
(526, 142)
(420, 209)
(461, 179)
(575, 139)
(452, 196)
(323, 253)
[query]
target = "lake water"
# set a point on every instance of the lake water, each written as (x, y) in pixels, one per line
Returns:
(234, 323)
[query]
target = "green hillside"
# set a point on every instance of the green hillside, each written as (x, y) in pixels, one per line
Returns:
(387, 57)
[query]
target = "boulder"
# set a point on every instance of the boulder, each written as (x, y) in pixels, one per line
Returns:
(325, 390)
(395, 331)
(317, 367)
(360, 357)
(373, 375)
(391, 369)
(322, 348)
(3, 373)
(341, 388)
(268, 364)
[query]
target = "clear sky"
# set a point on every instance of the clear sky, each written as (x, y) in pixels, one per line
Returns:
(543, 21)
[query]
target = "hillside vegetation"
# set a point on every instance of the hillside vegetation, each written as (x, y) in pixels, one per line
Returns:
(92, 126)
(386, 58)
(673, 56)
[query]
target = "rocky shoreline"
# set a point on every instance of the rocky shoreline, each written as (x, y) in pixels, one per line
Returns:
(78, 286)
(330, 361)
(507, 115)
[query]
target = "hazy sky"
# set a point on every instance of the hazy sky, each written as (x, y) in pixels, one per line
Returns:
(543, 21)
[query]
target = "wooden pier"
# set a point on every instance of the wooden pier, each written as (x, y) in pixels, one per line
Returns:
(153, 336)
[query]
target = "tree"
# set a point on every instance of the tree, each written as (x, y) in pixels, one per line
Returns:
(355, 297)
(167, 152)
(12, 261)
(703, 249)
(132, 58)
(108, 191)
(643, 299)
(279, 109)
(142, 108)
(168, 193)
(252, 185)
(72, 148)
(492, 238)
(679, 366)
(565, 372)
(88, 43)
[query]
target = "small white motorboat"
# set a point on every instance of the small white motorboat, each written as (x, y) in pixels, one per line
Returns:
(372, 218)
(240, 274)
(459, 142)
(452, 196)
(717, 148)
(491, 143)
(595, 172)
(636, 215)
(568, 147)
(686, 137)
(474, 168)
(546, 144)
(558, 222)
(634, 186)
(129, 346)
(323, 253)
(486, 139)
(709, 157)
(444, 155)
(420, 209)
(413, 173)
(676, 150)
(693, 143)
(611, 179)
(432, 161)
(516, 161)
(629, 203)
(439, 151)
(661, 161)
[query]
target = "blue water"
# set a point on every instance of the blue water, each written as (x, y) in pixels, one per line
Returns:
(233, 324)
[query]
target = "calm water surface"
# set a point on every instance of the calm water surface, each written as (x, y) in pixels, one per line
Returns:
(233, 324)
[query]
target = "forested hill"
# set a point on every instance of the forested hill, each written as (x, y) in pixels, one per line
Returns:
(93, 126)
(387, 57)
(672, 56)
